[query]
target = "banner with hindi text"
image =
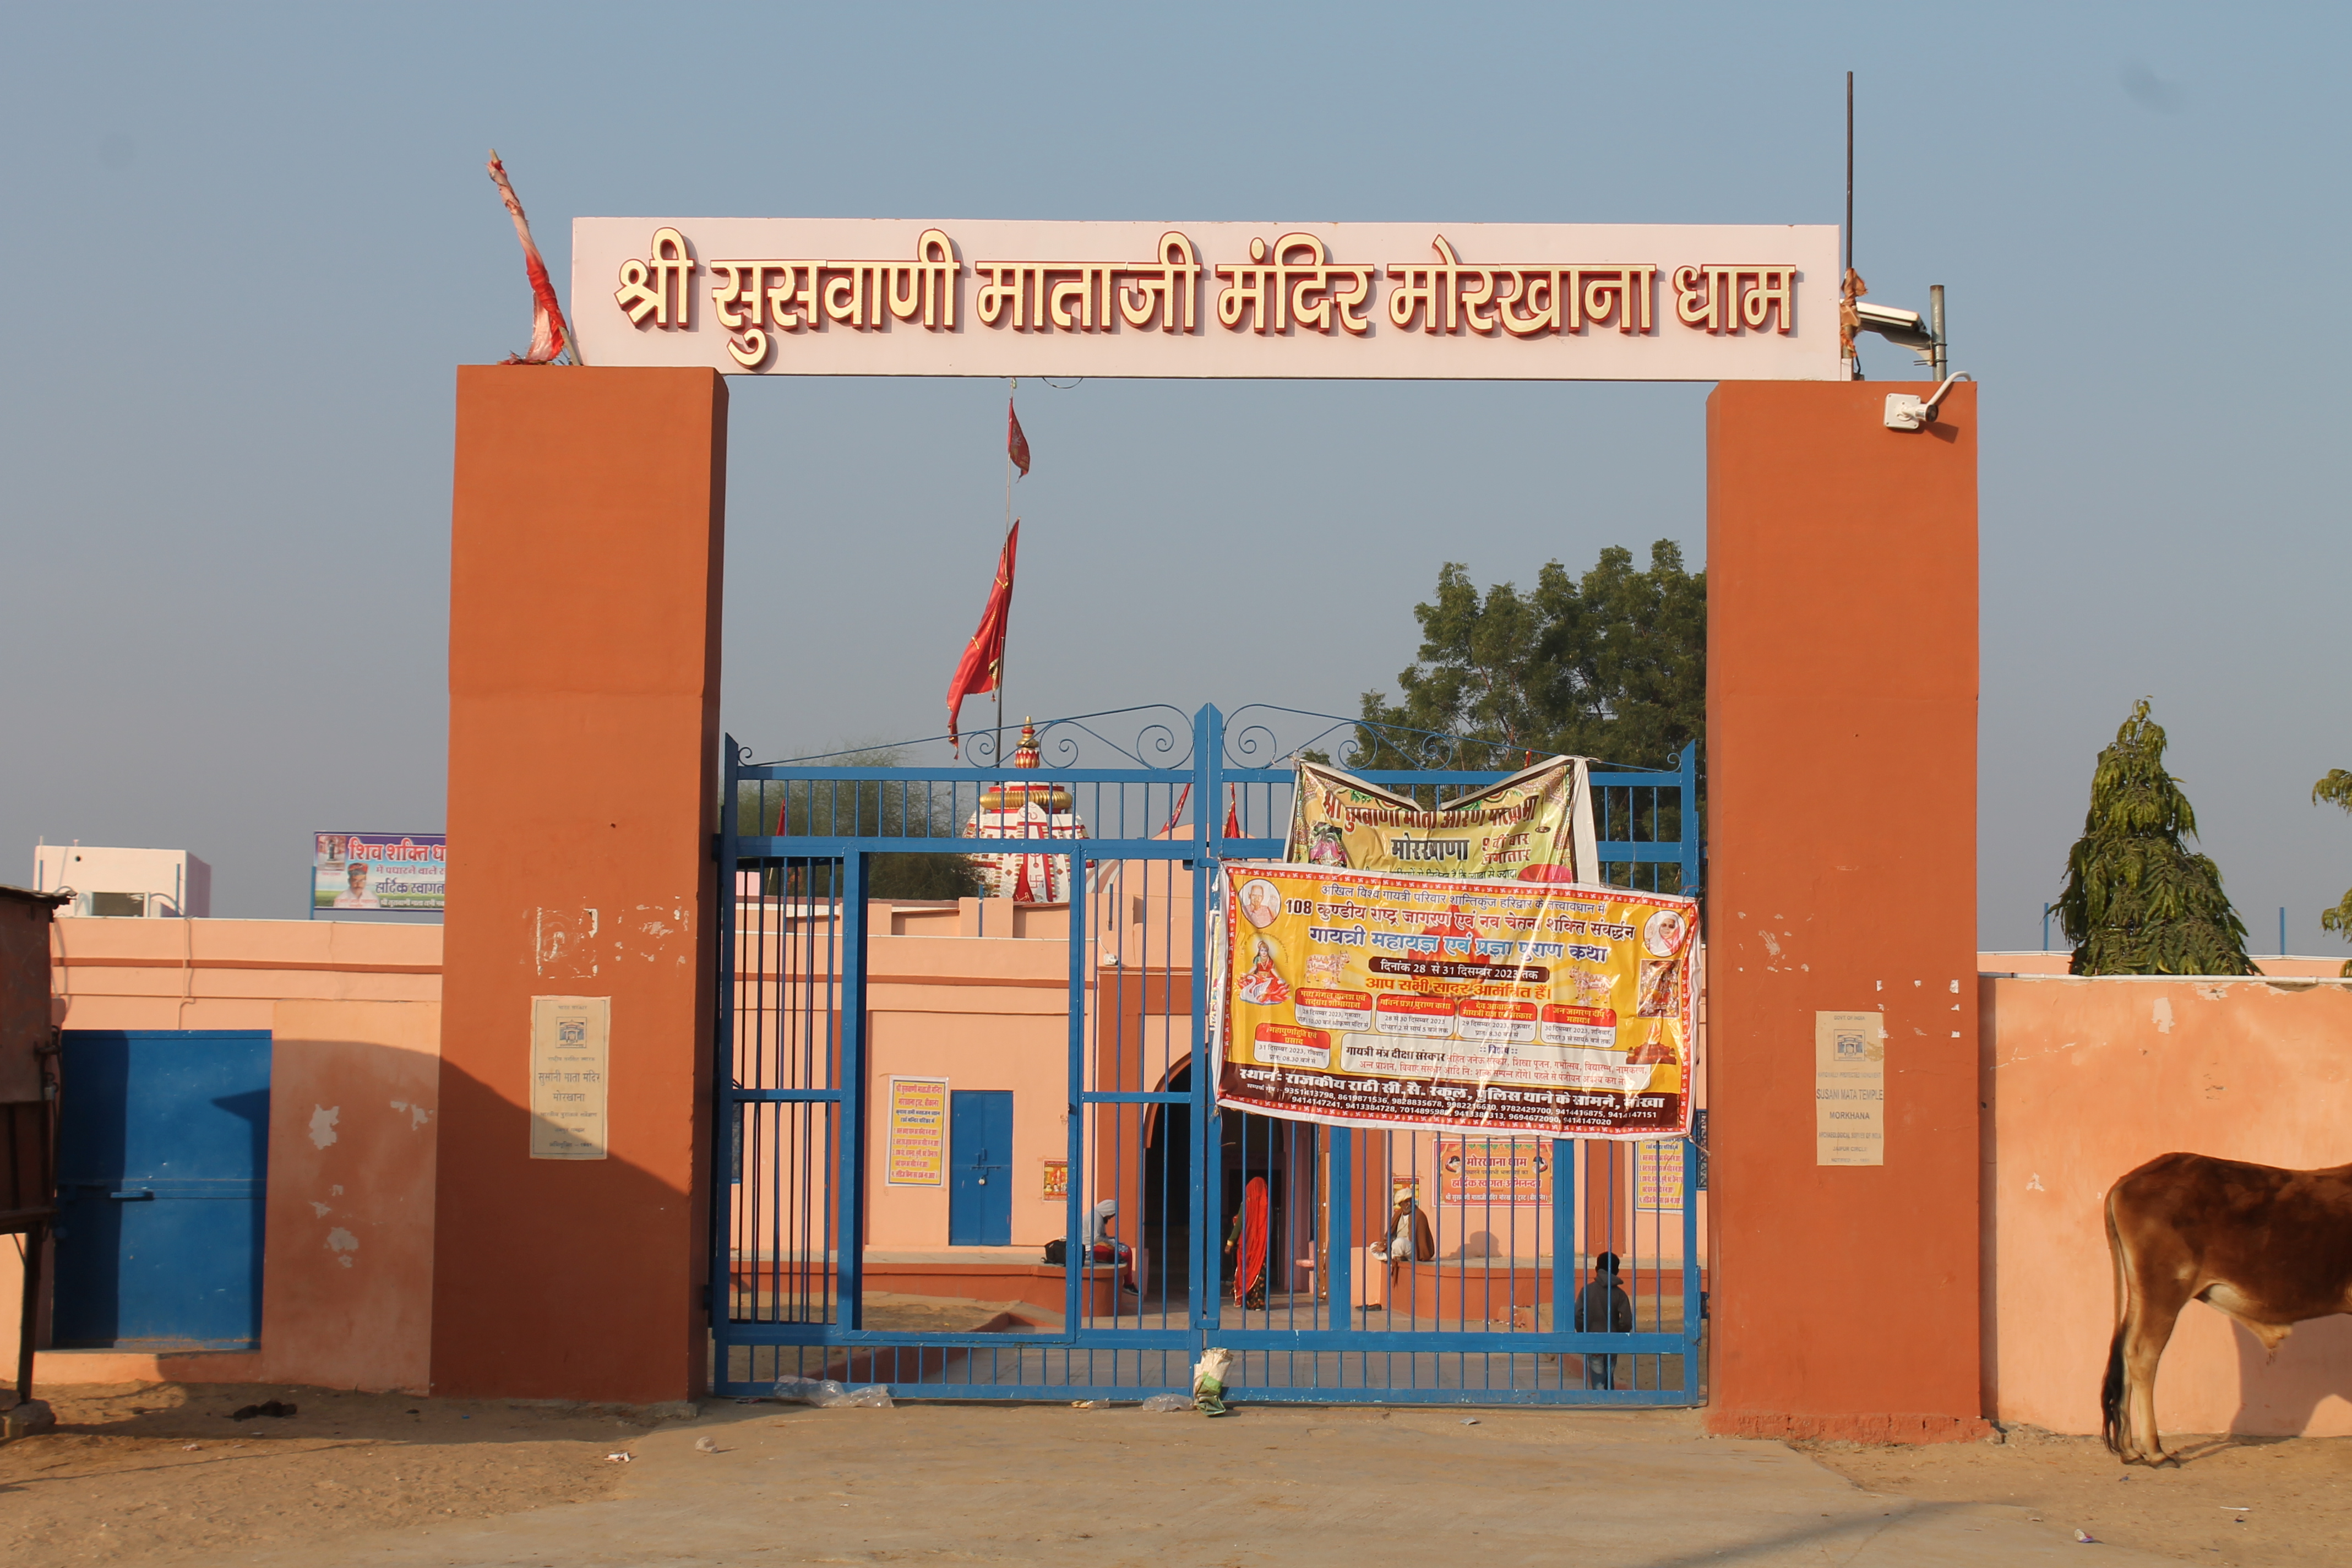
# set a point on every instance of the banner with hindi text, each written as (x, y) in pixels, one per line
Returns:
(1373, 999)
(1533, 827)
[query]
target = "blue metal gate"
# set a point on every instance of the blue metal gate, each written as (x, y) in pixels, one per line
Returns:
(163, 1151)
(834, 1254)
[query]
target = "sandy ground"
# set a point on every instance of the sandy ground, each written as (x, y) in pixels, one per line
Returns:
(2259, 1501)
(158, 1475)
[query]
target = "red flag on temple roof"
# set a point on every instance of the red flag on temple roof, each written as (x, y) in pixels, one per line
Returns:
(983, 657)
(1016, 444)
(549, 334)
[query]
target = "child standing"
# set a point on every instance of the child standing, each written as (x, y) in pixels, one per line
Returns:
(1603, 1308)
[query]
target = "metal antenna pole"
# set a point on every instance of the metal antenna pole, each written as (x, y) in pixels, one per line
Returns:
(1854, 350)
(1849, 171)
(1943, 355)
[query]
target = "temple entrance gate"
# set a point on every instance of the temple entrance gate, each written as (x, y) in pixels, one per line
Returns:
(867, 1043)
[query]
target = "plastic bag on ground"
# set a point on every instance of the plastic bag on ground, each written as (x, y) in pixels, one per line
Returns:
(1209, 1381)
(873, 1396)
(1162, 1404)
(808, 1391)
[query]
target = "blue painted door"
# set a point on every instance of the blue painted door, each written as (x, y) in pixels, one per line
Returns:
(980, 1168)
(163, 1150)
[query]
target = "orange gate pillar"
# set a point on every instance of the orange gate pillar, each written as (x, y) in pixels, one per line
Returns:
(1841, 772)
(583, 743)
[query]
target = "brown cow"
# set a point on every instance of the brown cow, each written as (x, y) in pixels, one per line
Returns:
(2265, 1247)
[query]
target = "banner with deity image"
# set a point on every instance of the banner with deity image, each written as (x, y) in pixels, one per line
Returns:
(1534, 1009)
(1534, 827)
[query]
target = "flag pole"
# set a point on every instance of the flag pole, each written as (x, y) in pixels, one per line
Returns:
(999, 742)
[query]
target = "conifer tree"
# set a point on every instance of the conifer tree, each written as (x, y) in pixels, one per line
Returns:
(2336, 787)
(2138, 901)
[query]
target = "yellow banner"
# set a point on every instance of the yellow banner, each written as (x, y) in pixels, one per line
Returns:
(1534, 827)
(1376, 1000)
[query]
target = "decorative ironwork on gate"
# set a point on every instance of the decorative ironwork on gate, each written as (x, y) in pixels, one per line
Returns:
(869, 1043)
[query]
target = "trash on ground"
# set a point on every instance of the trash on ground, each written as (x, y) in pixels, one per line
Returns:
(705, 1446)
(1469, 1421)
(623, 1457)
(1163, 1403)
(1088, 1403)
(275, 1407)
(1209, 1381)
(2087, 1538)
(828, 1394)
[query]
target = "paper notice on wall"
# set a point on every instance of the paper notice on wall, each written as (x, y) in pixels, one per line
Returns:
(1658, 1178)
(919, 1132)
(571, 1051)
(1849, 1089)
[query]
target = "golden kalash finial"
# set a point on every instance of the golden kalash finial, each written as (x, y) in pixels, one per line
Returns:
(1010, 796)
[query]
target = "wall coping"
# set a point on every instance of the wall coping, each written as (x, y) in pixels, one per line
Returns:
(2290, 982)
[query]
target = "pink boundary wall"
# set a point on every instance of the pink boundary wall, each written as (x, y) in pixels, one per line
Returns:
(2082, 1079)
(2087, 1079)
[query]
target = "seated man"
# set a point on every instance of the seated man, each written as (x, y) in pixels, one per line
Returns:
(1408, 1238)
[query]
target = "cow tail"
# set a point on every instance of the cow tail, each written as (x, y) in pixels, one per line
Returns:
(2111, 1388)
(2111, 1396)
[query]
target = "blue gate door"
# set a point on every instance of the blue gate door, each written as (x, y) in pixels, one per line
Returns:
(1140, 829)
(162, 1147)
(979, 1167)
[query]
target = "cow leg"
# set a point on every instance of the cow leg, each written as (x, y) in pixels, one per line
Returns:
(2146, 1330)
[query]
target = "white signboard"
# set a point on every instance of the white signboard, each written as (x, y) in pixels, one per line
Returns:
(570, 1060)
(1318, 300)
(1849, 1089)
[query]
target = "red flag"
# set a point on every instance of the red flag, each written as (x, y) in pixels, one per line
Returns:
(983, 656)
(1233, 814)
(1016, 444)
(549, 334)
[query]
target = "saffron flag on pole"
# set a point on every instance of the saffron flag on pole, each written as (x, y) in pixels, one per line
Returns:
(549, 334)
(983, 656)
(1016, 444)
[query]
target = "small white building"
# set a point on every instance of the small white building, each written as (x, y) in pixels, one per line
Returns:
(157, 884)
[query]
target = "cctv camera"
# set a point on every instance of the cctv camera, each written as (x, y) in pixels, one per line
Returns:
(1903, 327)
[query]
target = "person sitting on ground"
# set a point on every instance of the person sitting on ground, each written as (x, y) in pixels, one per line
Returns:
(1603, 1308)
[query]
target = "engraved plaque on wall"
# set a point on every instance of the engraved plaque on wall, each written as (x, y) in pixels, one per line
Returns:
(571, 1049)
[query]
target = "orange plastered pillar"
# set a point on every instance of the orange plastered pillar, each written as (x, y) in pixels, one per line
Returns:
(583, 688)
(1841, 772)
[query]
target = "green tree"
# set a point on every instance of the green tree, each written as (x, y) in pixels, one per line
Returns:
(1610, 664)
(2336, 789)
(862, 809)
(2137, 901)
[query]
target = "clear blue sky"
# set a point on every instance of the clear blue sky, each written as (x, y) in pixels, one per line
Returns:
(247, 246)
